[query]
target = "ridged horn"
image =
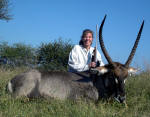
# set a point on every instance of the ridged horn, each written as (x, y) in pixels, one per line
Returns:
(108, 58)
(135, 46)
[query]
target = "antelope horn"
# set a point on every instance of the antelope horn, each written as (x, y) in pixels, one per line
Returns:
(102, 44)
(135, 46)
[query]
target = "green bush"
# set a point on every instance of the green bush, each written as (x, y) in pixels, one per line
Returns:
(17, 54)
(54, 56)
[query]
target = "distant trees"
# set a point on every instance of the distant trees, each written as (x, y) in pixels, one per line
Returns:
(4, 10)
(17, 54)
(51, 56)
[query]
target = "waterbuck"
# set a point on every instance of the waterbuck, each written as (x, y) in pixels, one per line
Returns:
(101, 82)
(115, 72)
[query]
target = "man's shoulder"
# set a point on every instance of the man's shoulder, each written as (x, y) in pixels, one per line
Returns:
(77, 47)
(80, 47)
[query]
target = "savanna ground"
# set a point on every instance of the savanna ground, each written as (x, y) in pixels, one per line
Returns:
(138, 102)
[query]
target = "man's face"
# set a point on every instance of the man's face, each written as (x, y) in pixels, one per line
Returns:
(87, 40)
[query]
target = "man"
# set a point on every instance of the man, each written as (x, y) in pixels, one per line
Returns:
(81, 55)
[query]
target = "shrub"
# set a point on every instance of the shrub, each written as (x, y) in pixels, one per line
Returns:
(54, 56)
(17, 54)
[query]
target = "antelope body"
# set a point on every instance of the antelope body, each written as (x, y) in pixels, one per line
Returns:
(101, 82)
(61, 85)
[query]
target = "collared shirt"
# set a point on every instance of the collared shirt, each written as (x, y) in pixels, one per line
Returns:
(80, 57)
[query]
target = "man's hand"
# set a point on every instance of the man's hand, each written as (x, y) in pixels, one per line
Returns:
(92, 64)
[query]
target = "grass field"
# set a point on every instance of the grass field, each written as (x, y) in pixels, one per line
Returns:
(138, 101)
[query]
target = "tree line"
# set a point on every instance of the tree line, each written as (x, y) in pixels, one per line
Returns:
(49, 56)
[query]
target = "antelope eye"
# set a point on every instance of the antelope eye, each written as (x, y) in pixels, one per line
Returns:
(116, 80)
(124, 81)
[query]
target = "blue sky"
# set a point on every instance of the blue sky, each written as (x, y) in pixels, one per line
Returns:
(43, 21)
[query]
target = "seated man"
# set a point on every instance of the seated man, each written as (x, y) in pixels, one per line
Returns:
(81, 55)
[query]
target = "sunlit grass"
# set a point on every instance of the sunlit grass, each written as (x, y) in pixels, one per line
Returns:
(138, 101)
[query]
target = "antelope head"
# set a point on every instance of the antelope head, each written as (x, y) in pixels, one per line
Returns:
(116, 70)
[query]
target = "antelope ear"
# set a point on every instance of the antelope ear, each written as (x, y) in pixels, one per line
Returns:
(132, 71)
(100, 70)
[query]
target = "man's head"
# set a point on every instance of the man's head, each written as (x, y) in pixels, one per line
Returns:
(86, 38)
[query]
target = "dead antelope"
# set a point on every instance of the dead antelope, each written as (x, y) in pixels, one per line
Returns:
(108, 80)
(116, 71)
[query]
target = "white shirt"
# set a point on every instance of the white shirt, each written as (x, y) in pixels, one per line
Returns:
(80, 57)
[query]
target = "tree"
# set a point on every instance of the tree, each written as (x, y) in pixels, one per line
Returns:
(18, 54)
(54, 56)
(4, 10)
